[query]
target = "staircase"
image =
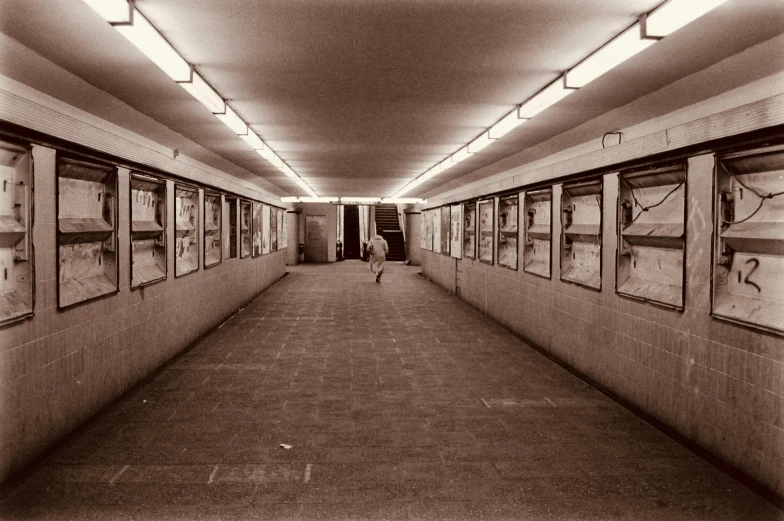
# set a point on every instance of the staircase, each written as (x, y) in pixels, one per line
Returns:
(351, 247)
(388, 225)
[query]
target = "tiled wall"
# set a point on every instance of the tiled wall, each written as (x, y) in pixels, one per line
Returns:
(719, 384)
(60, 367)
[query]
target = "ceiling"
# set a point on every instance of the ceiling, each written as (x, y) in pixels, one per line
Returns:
(360, 96)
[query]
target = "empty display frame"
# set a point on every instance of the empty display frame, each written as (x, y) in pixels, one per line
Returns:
(186, 224)
(16, 272)
(538, 232)
(246, 220)
(212, 229)
(485, 240)
(469, 230)
(581, 233)
(148, 229)
(748, 275)
(507, 231)
(86, 231)
(651, 251)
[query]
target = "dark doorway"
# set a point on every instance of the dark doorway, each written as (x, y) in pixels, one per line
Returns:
(351, 248)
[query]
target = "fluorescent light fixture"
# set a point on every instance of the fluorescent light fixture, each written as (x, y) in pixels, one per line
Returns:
(289, 199)
(546, 97)
(266, 153)
(286, 169)
(319, 199)
(460, 155)
(672, 15)
(233, 121)
(361, 199)
(446, 164)
(305, 187)
(253, 139)
(147, 39)
(610, 55)
(403, 200)
(506, 125)
(479, 143)
(276, 160)
(113, 11)
(201, 90)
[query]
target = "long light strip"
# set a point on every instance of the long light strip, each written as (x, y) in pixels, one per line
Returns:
(662, 21)
(140, 32)
(344, 200)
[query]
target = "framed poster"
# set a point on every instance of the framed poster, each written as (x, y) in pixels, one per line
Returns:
(258, 241)
(508, 215)
(284, 233)
(273, 229)
(265, 230)
(486, 231)
(456, 231)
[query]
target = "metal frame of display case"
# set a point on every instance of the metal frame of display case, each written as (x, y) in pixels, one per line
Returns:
(111, 181)
(472, 233)
(663, 235)
(529, 223)
(579, 233)
(192, 189)
(507, 233)
(212, 231)
(750, 244)
(27, 225)
(149, 234)
(243, 202)
(480, 233)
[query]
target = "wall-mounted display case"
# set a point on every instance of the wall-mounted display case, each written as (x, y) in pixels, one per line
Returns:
(436, 220)
(148, 229)
(748, 273)
(508, 215)
(538, 232)
(86, 230)
(427, 233)
(16, 270)
(651, 251)
(186, 225)
(246, 220)
(230, 232)
(446, 221)
(265, 229)
(456, 231)
(581, 233)
(273, 229)
(259, 239)
(213, 232)
(283, 235)
(469, 230)
(486, 225)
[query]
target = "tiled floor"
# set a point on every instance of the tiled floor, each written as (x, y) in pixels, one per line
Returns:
(399, 402)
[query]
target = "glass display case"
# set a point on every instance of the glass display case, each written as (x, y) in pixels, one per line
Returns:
(538, 232)
(148, 229)
(445, 224)
(258, 229)
(283, 235)
(230, 232)
(246, 219)
(507, 231)
(16, 270)
(651, 251)
(748, 272)
(265, 229)
(86, 230)
(581, 233)
(427, 233)
(469, 230)
(186, 225)
(486, 225)
(213, 220)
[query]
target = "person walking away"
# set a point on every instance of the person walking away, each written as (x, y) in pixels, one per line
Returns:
(378, 249)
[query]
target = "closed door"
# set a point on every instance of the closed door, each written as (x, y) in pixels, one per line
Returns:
(315, 238)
